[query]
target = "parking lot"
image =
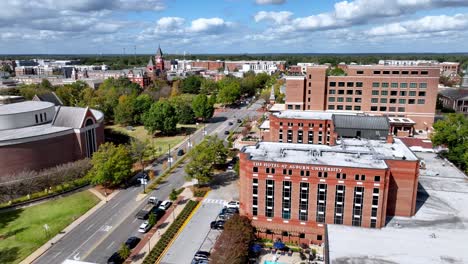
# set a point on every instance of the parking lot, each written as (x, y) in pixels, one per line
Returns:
(197, 234)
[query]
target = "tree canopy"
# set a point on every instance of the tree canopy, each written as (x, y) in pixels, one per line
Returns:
(203, 157)
(229, 91)
(453, 133)
(202, 107)
(161, 116)
(191, 84)
(111, 165)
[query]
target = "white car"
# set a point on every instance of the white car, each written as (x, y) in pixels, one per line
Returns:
(232, 204)
(165, 205)
(144, 227)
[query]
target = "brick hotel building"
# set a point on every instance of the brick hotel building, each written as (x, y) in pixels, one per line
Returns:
(396, 91)
(315, 169)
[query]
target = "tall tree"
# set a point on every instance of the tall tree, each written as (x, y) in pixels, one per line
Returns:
(142, 104)
(183, 107)
(229, 92)
(137, 150)
(124, 111)
(111, 165)
(232, 246)
(191, 84)
(202, 107)
(161, 116)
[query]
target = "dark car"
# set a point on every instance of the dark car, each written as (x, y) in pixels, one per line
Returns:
(239, 121)
(202, 255)
(115, 259)
(231, 123)
(180, 152)
(132, 242)
(158, 213)
(200, 261)
(217, 224)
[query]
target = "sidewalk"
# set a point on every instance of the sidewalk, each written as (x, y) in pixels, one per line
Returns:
(36, 254)
(152, 237)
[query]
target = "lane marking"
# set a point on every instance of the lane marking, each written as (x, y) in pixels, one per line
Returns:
(110, 245)
(90, 226)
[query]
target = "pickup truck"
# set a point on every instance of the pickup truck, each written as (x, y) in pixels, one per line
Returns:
(145, 211)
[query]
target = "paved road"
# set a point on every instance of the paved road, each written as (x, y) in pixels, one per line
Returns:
(96, 238)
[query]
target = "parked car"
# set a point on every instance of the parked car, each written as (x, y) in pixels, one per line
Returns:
(219, 224)
(180, 152)
(226, 132)
(202, 255)
(132, 242)
(144, 227)
(232, 204)
(165, 205)
(227, 210)
(225, 216)
(231, 123)
(200, 261)
(239, 121)
(115, 259)
(154, 200)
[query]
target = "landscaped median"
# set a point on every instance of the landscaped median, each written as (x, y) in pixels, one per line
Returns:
(22, 231)
(156, 253)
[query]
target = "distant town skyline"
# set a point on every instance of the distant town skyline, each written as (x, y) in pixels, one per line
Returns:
(233, 26)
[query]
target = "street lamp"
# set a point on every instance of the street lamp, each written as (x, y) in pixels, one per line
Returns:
(169, 159)
(204, 129)
(189, 144)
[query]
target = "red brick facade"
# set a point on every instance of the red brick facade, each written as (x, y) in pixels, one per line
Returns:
(384, 90)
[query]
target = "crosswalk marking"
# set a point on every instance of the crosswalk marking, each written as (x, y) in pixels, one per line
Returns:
(214, 201)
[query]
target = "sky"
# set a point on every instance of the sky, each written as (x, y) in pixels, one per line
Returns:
(232, 26)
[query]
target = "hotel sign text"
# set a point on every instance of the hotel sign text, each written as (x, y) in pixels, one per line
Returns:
(300, 167)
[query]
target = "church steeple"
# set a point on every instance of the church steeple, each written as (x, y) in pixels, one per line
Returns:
(159, 52)
(159, 61)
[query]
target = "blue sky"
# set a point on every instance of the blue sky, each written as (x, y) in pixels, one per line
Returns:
(233, 26)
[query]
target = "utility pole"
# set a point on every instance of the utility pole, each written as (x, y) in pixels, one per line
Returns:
(169, 158)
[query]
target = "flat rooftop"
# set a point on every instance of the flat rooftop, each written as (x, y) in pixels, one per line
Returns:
(304, 115)
(24, 107)
(359, 153)
(436, 234)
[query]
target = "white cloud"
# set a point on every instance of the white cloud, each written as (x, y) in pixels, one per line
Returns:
(208, 25)
(428, 24)
(277, 17)
(270, 2)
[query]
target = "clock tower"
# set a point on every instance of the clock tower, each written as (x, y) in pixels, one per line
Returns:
(159, 67)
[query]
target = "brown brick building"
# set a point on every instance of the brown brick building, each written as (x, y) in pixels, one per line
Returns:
(318, 168)
(395, 91)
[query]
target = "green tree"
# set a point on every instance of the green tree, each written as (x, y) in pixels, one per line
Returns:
(161, 116)
(142, 104)
(111, 165)
(70, 93)
(45, 84)
(204, 157)
(233, 244)
(202, 107)
(229, 92)
(124, 111)
(137, 150)
(183, 107)
(208, 87)
(152, 219)
(453, 133)
(124, 251)
(191, 84)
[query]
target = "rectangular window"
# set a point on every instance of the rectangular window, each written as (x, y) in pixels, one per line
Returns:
(383, 100)
(392, 109)
(404, 72)
(422, 94)
(357, 205)
(412, 93)
(297, 107)
(392, 100)
(414, 72)
(357, 108)
(358, 92)
(270, 198)
(395, 72)
(375, 84)
(393, 93)
(341, 84)
(340, 99)
(289, 138)
(394, 85)
(37, 120)
(403, 85)
(255, 169)
(413, 85)
(340, 91)
(287, 200)
(40, 117)
(349, 92)
(349, 107)
(332, 84)
(386, 72)
(303, 201)
(402, 101)
(310, 137)
(339, 107)
(377, 178)
(321, 203)
(331, 107)
(331, 91)
(299, 136)
(350, 84)
(255, 196)
(411, 101)
(421, 101)
(402, 93)
(349, 99)
(423, 85)
(359, 72)
(385, 85)
(45, 117)
(339, 204)
(401, 109)
(373, 108)
(424, 72)
(384, 93)
(359, 84)
(383, 108)
(374, 100)
(375, 92)
(376, 72)
(331, 99)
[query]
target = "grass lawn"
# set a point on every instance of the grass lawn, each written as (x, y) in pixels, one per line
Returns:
(160, 142)
(22, 231)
